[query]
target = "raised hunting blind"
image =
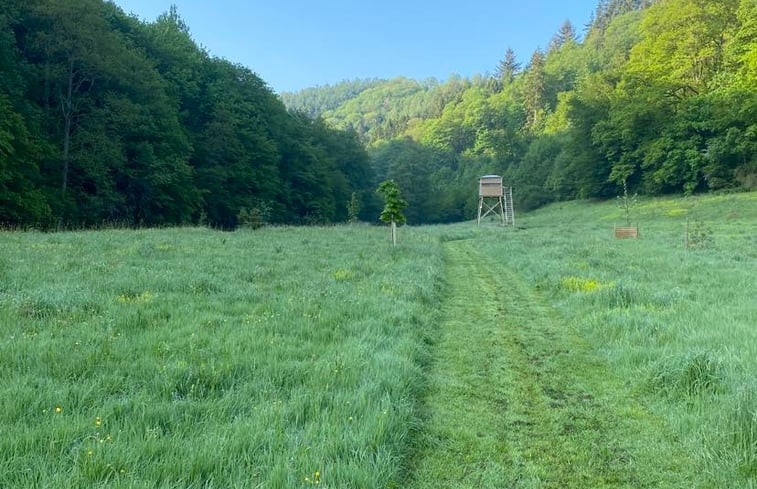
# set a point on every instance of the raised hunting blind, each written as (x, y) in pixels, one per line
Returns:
(495, 198)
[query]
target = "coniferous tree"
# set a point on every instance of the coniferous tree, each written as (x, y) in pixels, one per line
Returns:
(567, 33)
(507, 68)
(534, 89)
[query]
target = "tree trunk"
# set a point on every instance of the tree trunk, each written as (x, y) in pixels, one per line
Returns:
(394, 233)
(68, 114)
(46, 94)
(66, 144)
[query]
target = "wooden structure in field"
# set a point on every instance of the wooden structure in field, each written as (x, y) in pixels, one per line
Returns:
(626, 232)
(495, 198)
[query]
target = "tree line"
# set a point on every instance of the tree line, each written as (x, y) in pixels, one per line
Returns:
(657, 95)
(107, 118)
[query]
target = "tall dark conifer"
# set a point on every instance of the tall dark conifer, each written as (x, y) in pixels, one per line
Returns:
(507, 68)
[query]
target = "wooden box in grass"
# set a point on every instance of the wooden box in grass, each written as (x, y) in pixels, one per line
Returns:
(626, 232)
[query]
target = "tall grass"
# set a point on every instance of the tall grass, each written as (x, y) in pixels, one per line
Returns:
(293, 357)
(678, 324)
(276, 358)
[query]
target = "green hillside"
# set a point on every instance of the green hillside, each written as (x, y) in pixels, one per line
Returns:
(315, 101)
(106, 118)
(657, 94)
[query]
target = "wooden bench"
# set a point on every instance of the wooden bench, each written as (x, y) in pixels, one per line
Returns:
(626, 232)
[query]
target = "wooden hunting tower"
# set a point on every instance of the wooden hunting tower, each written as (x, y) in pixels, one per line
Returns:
(497, 198)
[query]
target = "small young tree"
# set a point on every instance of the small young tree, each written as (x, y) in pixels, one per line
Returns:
(627, 202)
(353, 208)
(392, 213)
(255, 218)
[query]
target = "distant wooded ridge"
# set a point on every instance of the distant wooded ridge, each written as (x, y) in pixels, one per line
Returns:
(660, 94)
(107, 118)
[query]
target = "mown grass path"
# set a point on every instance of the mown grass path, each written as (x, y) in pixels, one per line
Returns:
(516, 399)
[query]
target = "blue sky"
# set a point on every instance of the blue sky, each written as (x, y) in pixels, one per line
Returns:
(295, 44)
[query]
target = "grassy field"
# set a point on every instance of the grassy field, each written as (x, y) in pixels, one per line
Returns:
(678, 326)
(550, 355)
(517, 400)
(192, 358)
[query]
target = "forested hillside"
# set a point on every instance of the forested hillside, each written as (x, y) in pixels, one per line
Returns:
(105, 118)
(659, 95)
(314, 101)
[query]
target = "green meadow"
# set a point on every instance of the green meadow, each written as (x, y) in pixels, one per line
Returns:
(676, 327)
(542, 356)
(196, 358)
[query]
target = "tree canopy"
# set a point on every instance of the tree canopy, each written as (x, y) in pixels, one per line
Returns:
(107, 118)
(659, 94)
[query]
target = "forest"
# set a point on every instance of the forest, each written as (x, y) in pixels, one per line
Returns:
(658, 95)
(108, 119)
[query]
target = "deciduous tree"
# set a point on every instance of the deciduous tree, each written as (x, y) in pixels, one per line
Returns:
(393, 206)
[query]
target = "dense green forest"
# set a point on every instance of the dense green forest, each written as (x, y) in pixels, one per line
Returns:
(660, 95)
(105, 118)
